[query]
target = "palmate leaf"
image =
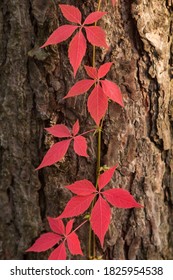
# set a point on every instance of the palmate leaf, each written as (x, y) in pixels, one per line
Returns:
(77, 47)
(101, 212)
(97, 103)
(58, 150)
(48, 240)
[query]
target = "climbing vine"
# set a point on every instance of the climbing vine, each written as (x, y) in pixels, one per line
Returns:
(91, 201)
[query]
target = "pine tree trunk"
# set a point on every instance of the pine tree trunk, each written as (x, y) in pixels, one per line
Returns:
(139, 137)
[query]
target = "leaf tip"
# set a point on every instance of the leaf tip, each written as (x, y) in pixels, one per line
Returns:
(36, 169)
(28, 250)
(138, 205)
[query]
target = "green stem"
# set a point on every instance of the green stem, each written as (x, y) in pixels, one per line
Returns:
(92, 254)
(98, 154)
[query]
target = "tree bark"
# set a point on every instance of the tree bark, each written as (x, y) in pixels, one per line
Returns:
(139, 137)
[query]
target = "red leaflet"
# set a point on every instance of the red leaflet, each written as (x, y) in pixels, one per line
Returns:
(93, 17)
(80, 88)
(97, 104)
(100, 218)
(77, 205)
(80, 146)
(74, 244)
(59, 253)
(56, 225)
(45, 242)
(96, 36)
(121, 198)
(75, 128)
(91, 71)
(112, 91)
(61, 34)
(71, 13)
(59, 130)
(105, 177)
(55, 153)
(82, 187)
(69, 226)
(104, 69)
(77, 50)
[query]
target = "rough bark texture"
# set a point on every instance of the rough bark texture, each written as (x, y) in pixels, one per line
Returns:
(138, 137)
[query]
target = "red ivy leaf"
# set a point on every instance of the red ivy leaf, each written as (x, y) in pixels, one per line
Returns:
(56, 225)
(59, 253)
(55, 153)
(75, 128)
(104, 69)
(77, 50)
(82, 187)
(69, 226)
(97, 104)
(93, 17)
(59, 130)
(45, 242)
(61, 34)
(74, 244)
(80, 146)
(91, 71)
(77, 47)
(100, 218)
(112, 91)
(105, 177)
(80, 87)
(71, 13)
(77, 206)
(121, 198)
(96, 36)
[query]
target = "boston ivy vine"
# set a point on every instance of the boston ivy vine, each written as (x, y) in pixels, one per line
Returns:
(90, 201)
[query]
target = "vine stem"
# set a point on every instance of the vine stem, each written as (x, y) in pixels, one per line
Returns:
(92, 255)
